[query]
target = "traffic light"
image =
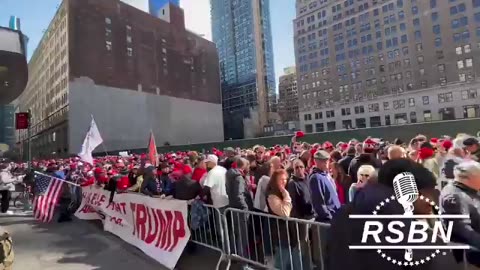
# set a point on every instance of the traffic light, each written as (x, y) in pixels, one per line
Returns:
(22, 120)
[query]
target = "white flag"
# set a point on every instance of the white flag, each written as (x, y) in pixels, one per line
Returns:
(92, 140)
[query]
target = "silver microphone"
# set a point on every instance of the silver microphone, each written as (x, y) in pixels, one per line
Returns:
(406, 192)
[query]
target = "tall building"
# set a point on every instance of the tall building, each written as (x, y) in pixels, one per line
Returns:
(7, 130)
(288, 95)
(242, 32)
(131, 71)
(374, 63)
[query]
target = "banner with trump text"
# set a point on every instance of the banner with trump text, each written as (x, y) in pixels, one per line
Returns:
(158, 227)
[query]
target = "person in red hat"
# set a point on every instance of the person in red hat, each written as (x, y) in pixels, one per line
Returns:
(186, 188)
(367, 157)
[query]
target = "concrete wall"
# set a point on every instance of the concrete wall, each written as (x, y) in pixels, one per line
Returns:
(125, 117)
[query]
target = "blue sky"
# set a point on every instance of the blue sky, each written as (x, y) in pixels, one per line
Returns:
(36, 14)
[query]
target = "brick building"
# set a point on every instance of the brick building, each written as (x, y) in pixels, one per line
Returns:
(132, 71)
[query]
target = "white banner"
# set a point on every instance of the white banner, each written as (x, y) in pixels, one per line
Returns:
(156, 226)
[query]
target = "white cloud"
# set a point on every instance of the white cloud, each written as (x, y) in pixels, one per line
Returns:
(197, 16)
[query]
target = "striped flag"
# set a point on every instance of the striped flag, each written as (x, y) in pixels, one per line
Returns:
(47, 191)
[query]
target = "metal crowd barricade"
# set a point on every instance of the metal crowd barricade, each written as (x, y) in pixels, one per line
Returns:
(207, 229)
(273, 242)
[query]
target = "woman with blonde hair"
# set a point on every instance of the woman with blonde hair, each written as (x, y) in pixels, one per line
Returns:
(365, 174)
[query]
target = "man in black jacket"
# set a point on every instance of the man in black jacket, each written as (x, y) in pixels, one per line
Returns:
(366, 158)
(345, 162)
(462, 197)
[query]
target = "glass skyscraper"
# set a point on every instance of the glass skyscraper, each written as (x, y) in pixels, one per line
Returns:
(242, 32)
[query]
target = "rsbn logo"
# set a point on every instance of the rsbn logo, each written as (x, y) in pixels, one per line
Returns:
(407, 232)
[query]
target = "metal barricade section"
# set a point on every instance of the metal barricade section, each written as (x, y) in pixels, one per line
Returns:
(207, 228)
(273, 242)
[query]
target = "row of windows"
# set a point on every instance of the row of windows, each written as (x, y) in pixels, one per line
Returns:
(397, 104)
(448, 113)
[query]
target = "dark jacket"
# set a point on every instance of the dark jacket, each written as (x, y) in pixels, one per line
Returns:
(324, 195)
(299, 191)
(345, 163)
(457, 198)
(237, 190)
(345, 231)
(167, 184)
(186, 189)
(151, 186)
(363, 159)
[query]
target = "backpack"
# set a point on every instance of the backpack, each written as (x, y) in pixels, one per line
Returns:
(6, 251)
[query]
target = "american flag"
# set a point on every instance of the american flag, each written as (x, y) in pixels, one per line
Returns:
(47, 191)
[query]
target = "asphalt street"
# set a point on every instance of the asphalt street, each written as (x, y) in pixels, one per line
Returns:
(83, 245)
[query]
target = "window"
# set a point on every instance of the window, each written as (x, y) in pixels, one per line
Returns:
(318, 115)
(467, 48)
(416, 22)
(319, 127)
(108, 20)
(386, 106)
(375, 121)
(443, 81)
(469, 62)
(360, 123)
(433, 3)
(414, 10)
(445, 97)
(387, 120)
(469, 94)
(419, 47)
(460, 64)
(447, 113)
(441, 68)
(373, 107)
(413, 117)
(426, 100)
(330, 113)
(108, 45)
(427, 116)
(401, 118)
(438, 42)
(411, 102)
(476, 3)
(309, 128)
(458, 50)
(434, 16)
(331, 126)
(359, 109)
(307, 117)
(418, 35)
(436, 29)
(420, 59)
(471, 111)
(398, 104)
(346, 111)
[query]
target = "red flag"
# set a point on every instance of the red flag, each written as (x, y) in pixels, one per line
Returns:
(152, 150)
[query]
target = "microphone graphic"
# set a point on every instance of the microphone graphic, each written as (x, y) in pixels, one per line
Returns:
(406, 192)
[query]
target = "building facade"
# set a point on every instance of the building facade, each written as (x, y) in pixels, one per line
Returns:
(288, 95)
(373, 63)
(7, 120)
(131, 71)
(241, 31)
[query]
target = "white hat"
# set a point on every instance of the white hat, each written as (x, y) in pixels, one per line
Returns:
(211, 158)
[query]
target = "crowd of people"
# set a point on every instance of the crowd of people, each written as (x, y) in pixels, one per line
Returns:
(322, 182)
